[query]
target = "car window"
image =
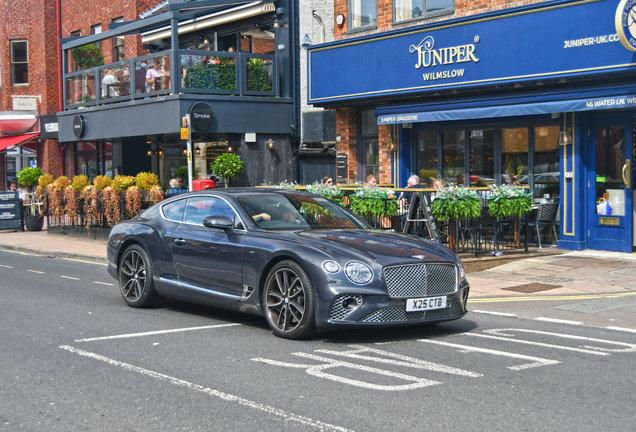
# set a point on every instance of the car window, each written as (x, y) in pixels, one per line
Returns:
(198, 208)
(174, 210)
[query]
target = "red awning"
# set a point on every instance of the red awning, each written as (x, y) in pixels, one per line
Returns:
(8, 142)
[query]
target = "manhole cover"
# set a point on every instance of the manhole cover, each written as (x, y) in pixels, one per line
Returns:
(531, 288)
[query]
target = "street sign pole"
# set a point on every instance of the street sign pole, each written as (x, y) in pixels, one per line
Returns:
(189, 152)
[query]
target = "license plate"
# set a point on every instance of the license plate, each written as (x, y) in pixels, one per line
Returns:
(423, 304)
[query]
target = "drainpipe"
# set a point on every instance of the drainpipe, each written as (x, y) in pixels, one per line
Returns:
(60, 74)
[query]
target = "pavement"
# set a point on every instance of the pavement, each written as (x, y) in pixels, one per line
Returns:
(543, 273)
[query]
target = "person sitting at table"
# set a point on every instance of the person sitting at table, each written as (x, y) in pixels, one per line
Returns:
(405, 197)
(372, 180)
(140, 78)
(176, 187)
(152, 75)
(108, 90)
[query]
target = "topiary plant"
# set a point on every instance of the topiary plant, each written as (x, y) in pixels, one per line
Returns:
(45, 180)
(29, 176)
(145, 180)
(228, 165)
(101, 182)
(80, 182)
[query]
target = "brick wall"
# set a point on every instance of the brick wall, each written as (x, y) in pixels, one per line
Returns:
(384, 139)
(346, 130)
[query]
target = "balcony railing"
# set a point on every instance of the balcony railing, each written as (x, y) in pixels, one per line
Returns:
(200, 72)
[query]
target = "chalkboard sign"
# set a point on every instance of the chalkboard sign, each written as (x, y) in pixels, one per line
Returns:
(420, 216)
(11, 216)
(342, 170)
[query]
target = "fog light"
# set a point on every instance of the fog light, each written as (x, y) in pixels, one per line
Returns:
(350, 303)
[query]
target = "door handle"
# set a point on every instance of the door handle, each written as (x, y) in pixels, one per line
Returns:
(627, 174)
(179, 242)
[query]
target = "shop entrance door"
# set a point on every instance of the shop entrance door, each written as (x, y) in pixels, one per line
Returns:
(609, 183)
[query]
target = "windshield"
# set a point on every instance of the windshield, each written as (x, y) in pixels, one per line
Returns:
(292, 211)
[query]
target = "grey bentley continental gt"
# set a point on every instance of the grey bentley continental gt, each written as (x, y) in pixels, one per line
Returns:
(300, 260)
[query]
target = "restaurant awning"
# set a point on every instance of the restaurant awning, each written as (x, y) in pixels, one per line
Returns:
(624, 98)
(8, 142)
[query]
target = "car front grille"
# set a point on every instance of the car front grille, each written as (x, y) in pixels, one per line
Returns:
(338, 311)
(420, 280)
(399, 314)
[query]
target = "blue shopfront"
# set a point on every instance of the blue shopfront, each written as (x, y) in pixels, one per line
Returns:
(543, 95)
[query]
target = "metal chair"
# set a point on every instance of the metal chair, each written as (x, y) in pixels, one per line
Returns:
(546, 217)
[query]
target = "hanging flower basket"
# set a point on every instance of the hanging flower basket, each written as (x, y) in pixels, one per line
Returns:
(509, 200)
(374, 201)
(456, 203)
(334, 193)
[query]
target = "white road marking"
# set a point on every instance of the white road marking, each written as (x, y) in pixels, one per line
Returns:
(69, 277)
(86, 262)
(216, 393)
(104, 283)
(494, 313)
(5, 266)
(622, 329)
(630, 347)
(536, 361)
(152, 333)
(559, 321)
(317, 371)
(405, 361)
(35, 271)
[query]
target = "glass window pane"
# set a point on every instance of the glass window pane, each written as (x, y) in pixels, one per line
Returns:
(426, 157)
(20, 73)
(19, 53)
(408, 9)
(610, 159)
(436, 5)
(362, 12)
(546, 162)
(515, 155)
(481, 158)
(453, 157)
(369, 123)
(371, 158)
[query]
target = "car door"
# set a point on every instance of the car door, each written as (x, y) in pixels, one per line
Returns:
(208, 260)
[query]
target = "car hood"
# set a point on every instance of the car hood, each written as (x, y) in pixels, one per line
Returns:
(383, 247)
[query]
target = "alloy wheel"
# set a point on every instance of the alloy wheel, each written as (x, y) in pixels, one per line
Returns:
(132, 279)
(286, 300)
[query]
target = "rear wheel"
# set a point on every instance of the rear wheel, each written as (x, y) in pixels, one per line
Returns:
(289, 301)
(135, 278)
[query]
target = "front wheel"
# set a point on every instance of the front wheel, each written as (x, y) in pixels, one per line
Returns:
(135, 278)
(289, 301)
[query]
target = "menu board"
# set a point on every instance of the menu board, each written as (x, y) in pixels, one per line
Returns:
(11, 216)
(420, 213)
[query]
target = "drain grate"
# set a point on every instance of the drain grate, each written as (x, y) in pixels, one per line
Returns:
(531, 288)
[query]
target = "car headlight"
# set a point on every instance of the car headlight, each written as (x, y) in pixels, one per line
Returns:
(358, 273)
(331, 267)
(460, 268)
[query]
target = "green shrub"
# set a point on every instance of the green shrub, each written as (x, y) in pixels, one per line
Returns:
(87, 56)
(258, 77)
(80, 182)
(45, 180)
(122, 182)
(29, 176)
(182, 173)
(101, 182)
(211, 77)
(228, 165)
(145, 180)
(457, 203)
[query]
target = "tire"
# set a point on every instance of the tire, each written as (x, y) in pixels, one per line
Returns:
(289, 301)
(135, 278)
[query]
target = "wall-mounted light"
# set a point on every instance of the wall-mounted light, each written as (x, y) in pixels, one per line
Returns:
(277, 23)
(270, 143)
(197, 150)
(229, 149)
(340, 20)
(565, 137)
(148, 140)
(149, 152)
(392, 146)
(160, 153)
(185, 151)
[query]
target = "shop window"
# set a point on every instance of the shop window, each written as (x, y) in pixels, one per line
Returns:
(19, 63)
(546, 169)
(426, 157)
(119, 53)
(481, 162)
(610, 160)
(369, 123)
(454, 157)
(371, 158)
(362, 14)
(404, 10)
(514, 150)
(97, 29)
(93, 159)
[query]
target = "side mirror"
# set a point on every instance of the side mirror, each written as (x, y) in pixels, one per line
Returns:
(218, 221)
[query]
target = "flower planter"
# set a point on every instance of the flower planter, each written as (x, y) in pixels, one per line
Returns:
(33, 223)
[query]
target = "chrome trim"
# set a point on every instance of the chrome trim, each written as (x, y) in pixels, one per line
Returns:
(201, 290)
(326, 271)
(200, 224)
(357, 261)
(247, 292)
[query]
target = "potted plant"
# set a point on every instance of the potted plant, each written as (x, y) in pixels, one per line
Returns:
(334, 193)
(227, 165)
(457, 203)
(370, 201)
(33, 219)
(509, 200)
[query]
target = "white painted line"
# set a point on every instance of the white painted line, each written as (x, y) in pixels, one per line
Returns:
(622, 329)
(35, 271)
(68, 277)
(216, 393)
(152, 333)
(494, 313)
(86, 262)
(6, 266)
(541, 344)
(104, 283)
(559, 321)
(536, 361)
(405, 361)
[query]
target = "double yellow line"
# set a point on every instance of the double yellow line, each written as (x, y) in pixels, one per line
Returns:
(548, 298)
